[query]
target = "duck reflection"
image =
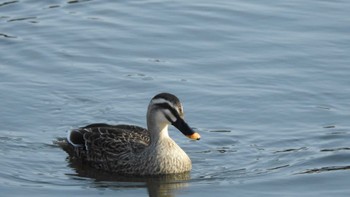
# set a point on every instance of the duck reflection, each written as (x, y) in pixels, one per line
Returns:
(157, 186)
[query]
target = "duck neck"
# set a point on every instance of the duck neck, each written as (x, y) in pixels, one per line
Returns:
(158, 132)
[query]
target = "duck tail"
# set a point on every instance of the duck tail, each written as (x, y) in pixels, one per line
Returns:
(63, 143)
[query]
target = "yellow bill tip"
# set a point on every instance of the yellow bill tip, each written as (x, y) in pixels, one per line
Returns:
(194, 136)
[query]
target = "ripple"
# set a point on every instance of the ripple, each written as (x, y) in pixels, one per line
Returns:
(291, 150)
(220, 131)
(325, 169)
(140, 76)
(7, 36)
(23, 19)
(8, 3)
(226, 150)
(77, 1)
(335, 149)
(54, 6)
(278, 167)
(329, 126)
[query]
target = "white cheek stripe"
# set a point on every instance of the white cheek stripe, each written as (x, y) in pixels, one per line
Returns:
(161, 100)
(170, 115)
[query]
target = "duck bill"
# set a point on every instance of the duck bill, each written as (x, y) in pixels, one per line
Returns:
(182, 126)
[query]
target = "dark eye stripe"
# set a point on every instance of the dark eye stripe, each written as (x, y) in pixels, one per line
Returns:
(171, 109)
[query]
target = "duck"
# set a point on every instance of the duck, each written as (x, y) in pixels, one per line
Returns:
(133, 150)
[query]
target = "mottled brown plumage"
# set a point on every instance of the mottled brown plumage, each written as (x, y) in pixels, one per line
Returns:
(132, 150)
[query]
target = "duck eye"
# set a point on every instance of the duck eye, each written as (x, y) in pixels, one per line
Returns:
(180, 111)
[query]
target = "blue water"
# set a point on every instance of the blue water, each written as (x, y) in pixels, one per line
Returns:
(265, 83)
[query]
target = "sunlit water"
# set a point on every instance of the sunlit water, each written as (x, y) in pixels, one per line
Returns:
(265, 83)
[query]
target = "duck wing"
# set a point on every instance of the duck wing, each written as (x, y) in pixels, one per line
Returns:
(102, 145)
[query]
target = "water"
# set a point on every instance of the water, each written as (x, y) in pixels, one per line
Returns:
(265, 83)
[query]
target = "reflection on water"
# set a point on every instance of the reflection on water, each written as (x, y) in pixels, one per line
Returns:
(165, 185)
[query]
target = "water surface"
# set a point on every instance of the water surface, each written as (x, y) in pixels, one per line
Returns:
(264, 83)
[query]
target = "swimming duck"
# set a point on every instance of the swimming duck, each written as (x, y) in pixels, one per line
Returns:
(133, 150)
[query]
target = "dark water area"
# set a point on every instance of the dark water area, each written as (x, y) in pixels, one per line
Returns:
(266, 84)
